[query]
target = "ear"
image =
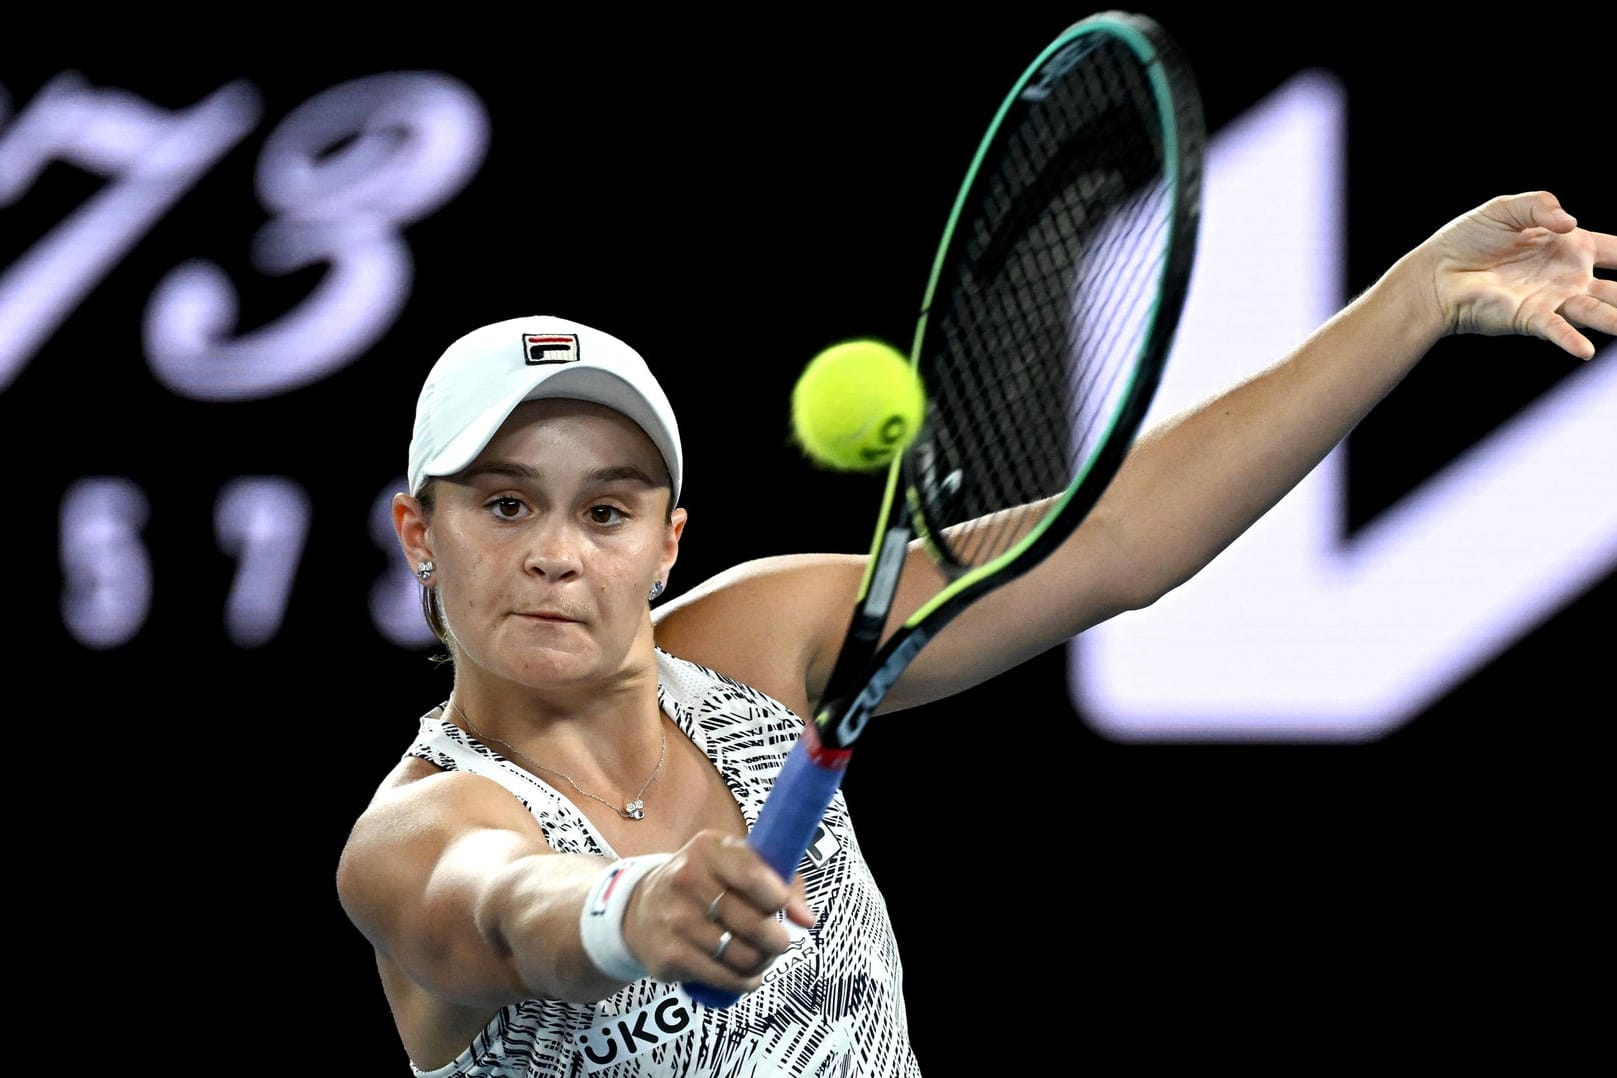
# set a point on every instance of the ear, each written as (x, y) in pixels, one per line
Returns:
(671, 536)
(410, 525)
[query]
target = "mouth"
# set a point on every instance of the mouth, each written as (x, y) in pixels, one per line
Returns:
(549, 617)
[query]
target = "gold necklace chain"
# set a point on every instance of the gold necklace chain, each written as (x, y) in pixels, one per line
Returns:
(633, 810)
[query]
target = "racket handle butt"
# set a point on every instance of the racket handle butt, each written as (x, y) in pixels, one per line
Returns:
(709, 996)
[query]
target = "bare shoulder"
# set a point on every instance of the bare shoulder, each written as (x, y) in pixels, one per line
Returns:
(417, 812)
(417, 796)
(773, 623)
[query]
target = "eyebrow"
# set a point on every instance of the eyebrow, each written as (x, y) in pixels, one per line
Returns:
(600, 476)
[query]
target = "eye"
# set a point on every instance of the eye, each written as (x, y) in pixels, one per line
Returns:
(607, 514)
(506, 508)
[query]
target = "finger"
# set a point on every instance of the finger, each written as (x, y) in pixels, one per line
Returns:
(739, 955)
(1561, 333)
(1531, 209)
(1546, 212)
(750, 881)
(801, 913)
(1593, 311)
(713, 873)
(726, 886)
(762, 930)
(733, 962)
(797, 907)
(1546, 317)
(1605, 250)
(1604, 291)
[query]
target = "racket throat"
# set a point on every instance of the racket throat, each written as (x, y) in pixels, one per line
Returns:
(887, 668)
(824, 756)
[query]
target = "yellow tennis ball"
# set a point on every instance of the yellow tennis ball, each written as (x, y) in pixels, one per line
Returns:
(857, 405)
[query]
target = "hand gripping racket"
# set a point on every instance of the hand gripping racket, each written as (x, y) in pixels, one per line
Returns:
(1042, 336)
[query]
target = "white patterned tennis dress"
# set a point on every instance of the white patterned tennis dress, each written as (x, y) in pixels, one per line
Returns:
(833, 1004)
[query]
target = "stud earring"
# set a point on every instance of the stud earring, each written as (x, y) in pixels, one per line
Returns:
(656, 590)
(424, 571)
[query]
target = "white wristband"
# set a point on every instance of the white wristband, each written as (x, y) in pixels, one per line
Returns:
(600, 923)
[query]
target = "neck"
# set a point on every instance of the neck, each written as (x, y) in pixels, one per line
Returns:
(612, 743)
(526, 702)
(633, 805)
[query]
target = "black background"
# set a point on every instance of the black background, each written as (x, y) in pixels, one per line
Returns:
(730, 194)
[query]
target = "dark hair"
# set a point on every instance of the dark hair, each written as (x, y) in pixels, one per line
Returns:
(431, 608)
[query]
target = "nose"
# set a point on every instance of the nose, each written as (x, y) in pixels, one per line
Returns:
(554, 548)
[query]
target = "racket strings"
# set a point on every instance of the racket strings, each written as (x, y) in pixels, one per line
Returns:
(1047, 304)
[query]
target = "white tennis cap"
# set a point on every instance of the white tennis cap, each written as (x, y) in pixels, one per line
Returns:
(484, 375)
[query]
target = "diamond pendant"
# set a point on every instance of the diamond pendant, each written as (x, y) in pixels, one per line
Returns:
(636, 809)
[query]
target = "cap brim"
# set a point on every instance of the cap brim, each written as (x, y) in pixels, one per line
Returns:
(572, 383)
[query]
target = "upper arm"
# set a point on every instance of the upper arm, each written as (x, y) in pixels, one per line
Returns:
(778, 623)
(1087, 579)
(773, 623)
(417, 869)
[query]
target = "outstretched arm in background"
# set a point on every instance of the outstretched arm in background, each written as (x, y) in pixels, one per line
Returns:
(1518, 264)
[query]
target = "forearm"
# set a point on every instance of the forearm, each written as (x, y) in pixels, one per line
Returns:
(1195, 483)
(529, 915)
(491, 922)
(1188, 488)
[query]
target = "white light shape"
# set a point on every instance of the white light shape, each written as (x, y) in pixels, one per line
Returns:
(1298, 632)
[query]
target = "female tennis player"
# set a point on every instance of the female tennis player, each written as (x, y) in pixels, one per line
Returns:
(562, 845)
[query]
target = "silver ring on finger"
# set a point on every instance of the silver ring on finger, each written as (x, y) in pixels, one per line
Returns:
(713, 907)
(724, 945)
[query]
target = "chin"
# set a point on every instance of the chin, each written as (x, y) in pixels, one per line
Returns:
(546, 664)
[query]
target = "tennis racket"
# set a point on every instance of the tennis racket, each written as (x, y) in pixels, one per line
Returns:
(1053, 301)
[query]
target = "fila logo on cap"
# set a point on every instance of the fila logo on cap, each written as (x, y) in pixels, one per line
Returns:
(550, 347)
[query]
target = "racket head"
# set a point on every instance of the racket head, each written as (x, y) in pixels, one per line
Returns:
(1048, 317)
(1053, 301)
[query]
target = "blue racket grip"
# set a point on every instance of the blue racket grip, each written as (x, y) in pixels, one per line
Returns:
(795, 806)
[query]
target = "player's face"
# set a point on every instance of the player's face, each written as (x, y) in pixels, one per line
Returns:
(547, 545)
